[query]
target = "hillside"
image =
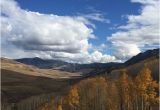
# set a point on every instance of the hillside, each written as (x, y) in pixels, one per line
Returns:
(28, 82)
(12, 65)
(93, 69)
(143, 56)
(20, 81)
(42, 63)
(149, 59)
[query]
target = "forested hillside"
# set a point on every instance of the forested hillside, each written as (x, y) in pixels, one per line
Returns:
(125, 87)
(104, 93)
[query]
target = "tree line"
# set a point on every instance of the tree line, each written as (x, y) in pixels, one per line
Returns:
(105, 93)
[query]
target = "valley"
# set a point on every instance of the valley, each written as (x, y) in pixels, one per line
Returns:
(33, 83)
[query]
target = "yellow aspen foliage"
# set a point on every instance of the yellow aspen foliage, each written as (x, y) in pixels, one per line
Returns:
(73, 96)
(124, 89)
(144, 82)
(146, 86)
(59, 107)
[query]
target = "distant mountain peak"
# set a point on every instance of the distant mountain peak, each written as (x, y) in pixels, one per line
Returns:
(92, 68)
(142, 56)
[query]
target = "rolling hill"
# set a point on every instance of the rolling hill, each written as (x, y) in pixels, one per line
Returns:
(23, 78)
(87, 70)
(149, 59)
(20, 81)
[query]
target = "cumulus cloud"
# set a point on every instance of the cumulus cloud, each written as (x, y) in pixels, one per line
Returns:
(97, 56)
(28, 34)
(35, 31)
(139, 32)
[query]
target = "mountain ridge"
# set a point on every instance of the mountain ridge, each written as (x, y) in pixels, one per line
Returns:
(19, 79)
(74, 67)
(143, 56)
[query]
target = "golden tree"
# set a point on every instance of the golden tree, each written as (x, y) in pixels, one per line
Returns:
(123, 85)
(146, 88)
(73, 97)
(59, 107)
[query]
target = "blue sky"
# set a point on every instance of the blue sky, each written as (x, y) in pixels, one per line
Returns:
(81, 31)
(113, 10)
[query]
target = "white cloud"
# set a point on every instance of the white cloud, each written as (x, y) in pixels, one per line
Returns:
(96, 17)
(125, 51)
(97, 56)
(100, 47)
(140, 31)
(93, 16)
(146, 1)
(28, 34)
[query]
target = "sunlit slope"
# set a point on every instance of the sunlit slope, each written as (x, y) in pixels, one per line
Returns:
(19, 81)
(152, 63)
(8, 64)
(17, 86)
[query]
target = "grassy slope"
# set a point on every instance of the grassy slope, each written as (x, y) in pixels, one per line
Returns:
(133, 70)
(20, 81)
(34, 71)
(17, 86)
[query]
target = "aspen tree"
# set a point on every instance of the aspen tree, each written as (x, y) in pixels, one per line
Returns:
(146, 87)
(73, 97)
(124, 90)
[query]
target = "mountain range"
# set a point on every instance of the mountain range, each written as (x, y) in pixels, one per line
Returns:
(22, 78)
(88, 69)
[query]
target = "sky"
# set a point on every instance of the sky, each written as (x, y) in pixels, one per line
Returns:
(79, 31)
